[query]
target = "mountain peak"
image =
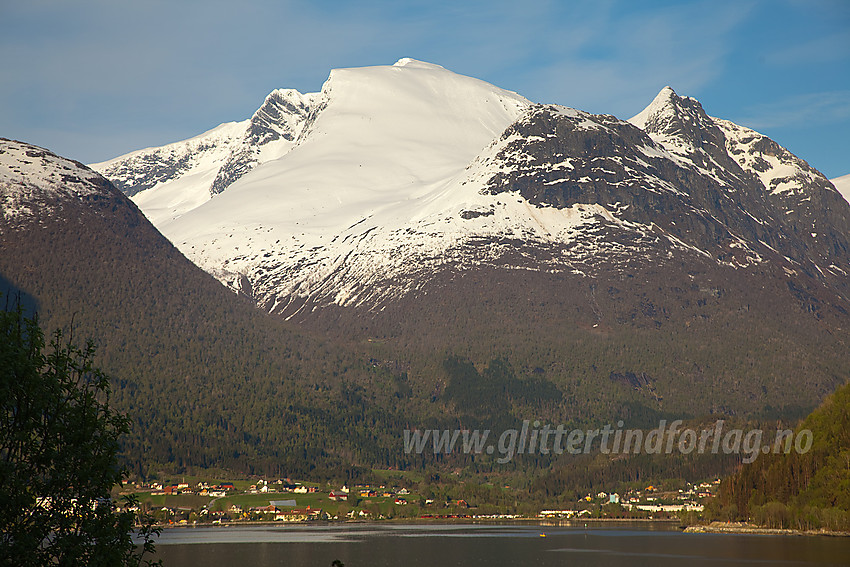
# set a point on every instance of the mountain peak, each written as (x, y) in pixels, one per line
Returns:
(416, 64)
(681, 126)
(280, 116)
(37, 185)
(378, 136)
(671, 114)
(665, 96)
(665, 103)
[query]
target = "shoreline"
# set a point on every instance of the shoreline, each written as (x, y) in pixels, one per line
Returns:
(730, 528)
(429, 521)
(744, 528)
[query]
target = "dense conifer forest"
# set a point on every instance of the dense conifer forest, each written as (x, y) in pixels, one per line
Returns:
(799, 490)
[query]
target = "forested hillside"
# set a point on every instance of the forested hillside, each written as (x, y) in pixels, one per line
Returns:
(207, 379)
(800, 490)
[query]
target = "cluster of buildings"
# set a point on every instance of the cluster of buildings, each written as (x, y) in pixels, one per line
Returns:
(276, 510)
(685, 499)
(201, 489)
(649, 499)
(281, 512)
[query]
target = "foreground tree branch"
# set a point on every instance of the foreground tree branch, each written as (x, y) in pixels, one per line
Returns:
(59, 455)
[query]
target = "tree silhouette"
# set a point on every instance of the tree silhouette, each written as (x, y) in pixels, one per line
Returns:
(58, 454)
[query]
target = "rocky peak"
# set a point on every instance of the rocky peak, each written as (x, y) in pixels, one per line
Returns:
(676, 118)
(271, 132)
(681, 126)
(280, 116)
(556, 156)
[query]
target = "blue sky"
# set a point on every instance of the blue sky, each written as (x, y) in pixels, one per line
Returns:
(93, 79)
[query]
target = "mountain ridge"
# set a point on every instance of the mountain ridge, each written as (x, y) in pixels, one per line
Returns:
(680, 130)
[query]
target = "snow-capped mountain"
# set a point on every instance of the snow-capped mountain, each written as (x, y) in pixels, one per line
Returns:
(359, 194)
(372, 156)
(421, 214)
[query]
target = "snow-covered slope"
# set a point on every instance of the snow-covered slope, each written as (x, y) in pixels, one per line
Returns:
(166, 182)
(173, 179)
(371, 162)
(779, 170)
(34, 180)
(843, 185)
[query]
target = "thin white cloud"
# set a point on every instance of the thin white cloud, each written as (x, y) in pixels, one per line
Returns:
(684, 46)
(810, 109)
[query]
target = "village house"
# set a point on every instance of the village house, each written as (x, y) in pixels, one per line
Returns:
(299, 515)
(563, 513)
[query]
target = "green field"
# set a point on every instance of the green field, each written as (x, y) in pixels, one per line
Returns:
(376, 506)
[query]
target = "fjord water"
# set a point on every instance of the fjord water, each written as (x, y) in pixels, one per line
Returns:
(657, 545)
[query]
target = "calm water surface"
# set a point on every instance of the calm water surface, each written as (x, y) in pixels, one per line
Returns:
(490, 545)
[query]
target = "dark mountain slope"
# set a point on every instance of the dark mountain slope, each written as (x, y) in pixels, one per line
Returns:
(207, 379)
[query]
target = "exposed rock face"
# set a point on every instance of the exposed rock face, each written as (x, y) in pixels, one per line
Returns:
(811, 210)
(559, 157)
(147, 169)
(681, 126)
(280, 118)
